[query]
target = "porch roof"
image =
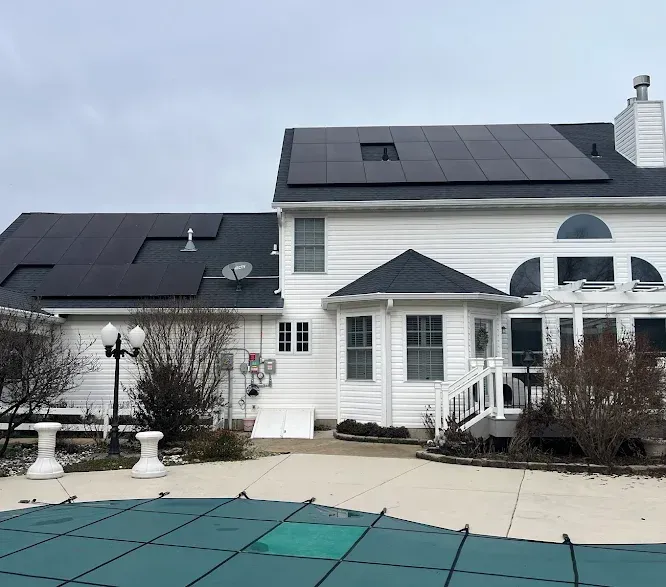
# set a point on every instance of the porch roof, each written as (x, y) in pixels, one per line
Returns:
(412, 275)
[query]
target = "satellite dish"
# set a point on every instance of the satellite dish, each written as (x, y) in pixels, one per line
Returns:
(237, 271)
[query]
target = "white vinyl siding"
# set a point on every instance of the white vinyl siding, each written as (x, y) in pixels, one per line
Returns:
(309, 245)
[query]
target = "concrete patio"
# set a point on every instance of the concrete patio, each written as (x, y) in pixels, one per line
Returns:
(501, 502)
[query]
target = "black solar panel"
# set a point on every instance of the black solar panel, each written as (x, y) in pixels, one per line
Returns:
(345, 173)
(474, 132)
(486, 150)
(6, 271)
(558, 148)
(306, 152)
(462, 170)
(540, 131)
(169, 226)
(181, 279)
(415, 151)
(309, 135)
(423, 171)
(343, 152)
(83, 251)
(501, 170)
(204, 225)
(119, 251)
(62, 280)
(342, 134)
(36, 225)
(141, 280)
(48, 251)
(307, 173)
(541, 170)
(375, 134)
(523, 149)
(135, 226)
(384, 172)
(69, 225)
(441, 133)
(406, 134)
(102, 225)
(507, 132)
(14, 250)
(451, 150)
(101, 281)
(580, 168)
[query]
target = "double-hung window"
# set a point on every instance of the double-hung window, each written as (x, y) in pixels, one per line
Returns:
(309, 245)
(359, 347)
(425, 348)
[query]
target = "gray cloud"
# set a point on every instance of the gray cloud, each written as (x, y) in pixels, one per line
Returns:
(158, 105)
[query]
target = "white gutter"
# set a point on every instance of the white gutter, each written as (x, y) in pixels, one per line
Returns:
(485, 203)
(328, 301)
(26, 313)
(126, 311)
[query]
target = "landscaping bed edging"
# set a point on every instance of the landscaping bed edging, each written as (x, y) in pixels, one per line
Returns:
(535, 466)
(378, 439)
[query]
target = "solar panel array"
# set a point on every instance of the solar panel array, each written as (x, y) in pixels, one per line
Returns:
(140, 280)
(438, 154)
(91, 254)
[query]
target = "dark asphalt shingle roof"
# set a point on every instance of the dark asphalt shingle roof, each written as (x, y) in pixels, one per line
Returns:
(18, 301)
(241, 237)
(412, 272)
(626, 179)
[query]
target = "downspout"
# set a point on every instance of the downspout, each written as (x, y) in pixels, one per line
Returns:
(387, 387)
(278, 291)
(338, 373)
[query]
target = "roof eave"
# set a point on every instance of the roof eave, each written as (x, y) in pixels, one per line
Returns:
(484, 297)
(126, 311)
(486, 203)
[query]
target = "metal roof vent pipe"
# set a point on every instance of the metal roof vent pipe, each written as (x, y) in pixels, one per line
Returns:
(641, 85)
(189, 247)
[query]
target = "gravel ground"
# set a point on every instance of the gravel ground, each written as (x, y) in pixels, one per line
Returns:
(20, 457)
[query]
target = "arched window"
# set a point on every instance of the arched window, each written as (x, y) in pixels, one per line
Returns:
(526, 280)
(583, 226)
(644, 271)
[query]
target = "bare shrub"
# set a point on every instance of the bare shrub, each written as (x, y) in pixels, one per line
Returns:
(38, 365)
(179, 367)
(605, 391)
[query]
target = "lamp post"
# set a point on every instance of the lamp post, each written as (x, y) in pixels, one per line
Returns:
(528, 361)
(112, 342)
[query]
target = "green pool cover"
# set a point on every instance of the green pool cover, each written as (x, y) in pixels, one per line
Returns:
(167, 542)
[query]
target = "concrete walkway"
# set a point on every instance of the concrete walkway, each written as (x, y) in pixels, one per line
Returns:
(502, 502)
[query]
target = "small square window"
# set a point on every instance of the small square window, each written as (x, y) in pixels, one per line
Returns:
(284, 337)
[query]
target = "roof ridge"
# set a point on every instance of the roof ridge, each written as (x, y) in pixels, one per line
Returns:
(401, 267)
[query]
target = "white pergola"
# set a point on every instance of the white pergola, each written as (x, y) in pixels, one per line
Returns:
(582, 297)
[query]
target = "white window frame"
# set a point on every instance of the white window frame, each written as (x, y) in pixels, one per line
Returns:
(596, 254)
(293, 245)
(583, 240)
(404, 347)
(293, 350)
(372, 348)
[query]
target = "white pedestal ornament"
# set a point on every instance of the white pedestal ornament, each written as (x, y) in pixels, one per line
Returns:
(46, 466)
(149, 466)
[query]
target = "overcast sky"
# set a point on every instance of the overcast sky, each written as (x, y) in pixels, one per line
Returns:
(155, 105)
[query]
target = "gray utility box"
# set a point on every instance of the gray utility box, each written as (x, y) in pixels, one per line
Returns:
(269, 366)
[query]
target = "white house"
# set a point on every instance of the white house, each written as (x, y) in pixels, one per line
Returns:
(405, 258)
